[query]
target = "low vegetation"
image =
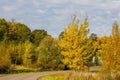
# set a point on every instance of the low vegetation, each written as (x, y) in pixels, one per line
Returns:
(21, 69)
(82, 76)
(53, 77)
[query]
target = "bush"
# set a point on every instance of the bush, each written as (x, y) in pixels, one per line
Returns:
(5, 67)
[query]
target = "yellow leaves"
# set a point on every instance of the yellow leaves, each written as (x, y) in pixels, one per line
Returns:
(101, 45)
(66, 61)
(73, 46)
(112, 52)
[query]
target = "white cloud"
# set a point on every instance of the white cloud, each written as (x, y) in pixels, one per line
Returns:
(63, 11)
(116, 1)
(119, 15)
(108, 12)
(115, 19)
(110, 5)
(36, 3)
(40, 11)
(20, 0)
(83, 2)
(8, 8)
(56, 1)
(94, 19)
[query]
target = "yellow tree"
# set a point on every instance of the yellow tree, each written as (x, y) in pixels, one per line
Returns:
(100, 46)
(73, 44)
(28, 53)
(112, 55)
(5, 58)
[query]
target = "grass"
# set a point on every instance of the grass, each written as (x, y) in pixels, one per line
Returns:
(22, 69)
(53, 77)
(83, 76)
(68, 76)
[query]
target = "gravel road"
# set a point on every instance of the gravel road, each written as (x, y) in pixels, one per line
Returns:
(28, 76)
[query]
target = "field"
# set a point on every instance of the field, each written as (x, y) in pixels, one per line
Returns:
(83, 76)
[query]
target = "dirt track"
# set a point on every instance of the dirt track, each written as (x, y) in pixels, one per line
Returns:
(28, 76)
(35, 76)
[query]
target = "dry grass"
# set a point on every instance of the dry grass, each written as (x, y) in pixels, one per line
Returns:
(76, 75)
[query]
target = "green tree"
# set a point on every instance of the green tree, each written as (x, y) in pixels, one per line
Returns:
(93, 36)
(3, 29)
(17, 50)
(61, 35)
(37, 36)
(23, 32)
(13, 31)
(93, 50)
(49, 56)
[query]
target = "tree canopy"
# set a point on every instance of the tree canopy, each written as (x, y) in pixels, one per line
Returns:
(74, 48)
(74, 43)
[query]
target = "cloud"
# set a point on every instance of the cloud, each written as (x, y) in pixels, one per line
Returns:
(8, 8)
(108, 12)
(119, 15)
(36, 3)
(56, 1)
(40, 11)
(20, 1)
(54, 15)
(110, 5)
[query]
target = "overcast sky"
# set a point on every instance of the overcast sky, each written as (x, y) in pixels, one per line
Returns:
(54, 15)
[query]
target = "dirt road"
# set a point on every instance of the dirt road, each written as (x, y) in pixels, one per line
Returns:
(35, 76)
(28, 76)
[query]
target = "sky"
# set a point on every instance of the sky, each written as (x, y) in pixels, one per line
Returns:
(54, 15)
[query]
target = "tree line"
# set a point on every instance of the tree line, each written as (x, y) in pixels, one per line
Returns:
(80, 50)
(73, 49)
(21, 46)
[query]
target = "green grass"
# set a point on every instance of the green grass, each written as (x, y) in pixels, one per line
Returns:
(22, 69)
(53, 77)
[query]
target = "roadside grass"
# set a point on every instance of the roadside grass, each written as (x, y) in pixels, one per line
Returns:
(53, 77)
(68, 76)
(21, 69)
(82, 76)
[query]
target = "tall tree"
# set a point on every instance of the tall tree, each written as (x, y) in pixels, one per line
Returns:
(28, 53)
(5, 59)
(73, 44)
(112, 55)
(13, 31)
(91, 50)
(23, 32)
(37, 36)
(3, 29)
(49, 56)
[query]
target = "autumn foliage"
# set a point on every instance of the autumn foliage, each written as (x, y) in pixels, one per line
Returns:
(74, 49)
(74, 45)
(112, 52)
